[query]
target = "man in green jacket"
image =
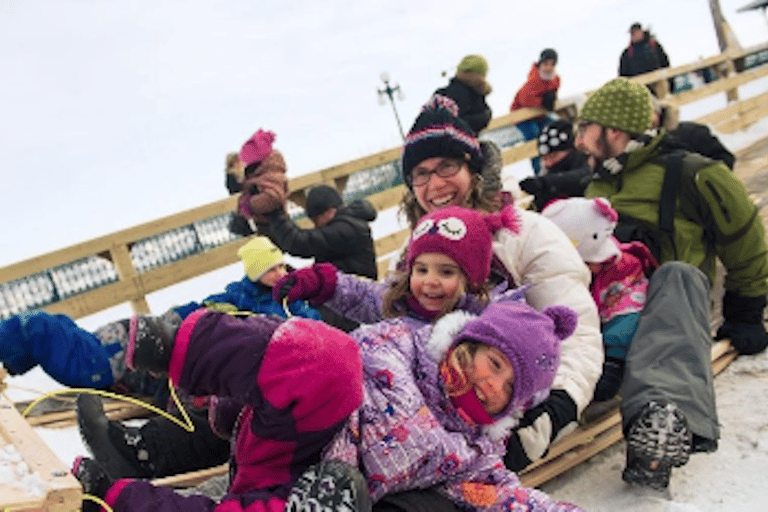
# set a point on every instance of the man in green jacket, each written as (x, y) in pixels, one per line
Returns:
(700, 212)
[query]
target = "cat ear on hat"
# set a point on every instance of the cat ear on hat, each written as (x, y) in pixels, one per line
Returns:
(565, 320)
(605, 209)
(507, 217)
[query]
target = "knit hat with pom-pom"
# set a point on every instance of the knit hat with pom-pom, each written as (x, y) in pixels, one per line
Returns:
(464, 235)
(530, 341)
(556, 136)
(439, 132)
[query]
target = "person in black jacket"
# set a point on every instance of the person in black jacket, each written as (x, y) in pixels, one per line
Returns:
(565, 170)
(469, 89)
(341, 234)
(643, 55)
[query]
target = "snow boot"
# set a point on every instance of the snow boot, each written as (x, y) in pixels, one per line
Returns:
(329, 485)
(100, 436)
(657, 440)
(94, 479)
(150, 343)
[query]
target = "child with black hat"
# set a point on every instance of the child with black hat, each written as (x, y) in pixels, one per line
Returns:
(565, 172)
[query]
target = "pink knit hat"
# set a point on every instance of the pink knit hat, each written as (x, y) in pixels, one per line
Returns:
(464, 235)
(257, 148)
(531, 342)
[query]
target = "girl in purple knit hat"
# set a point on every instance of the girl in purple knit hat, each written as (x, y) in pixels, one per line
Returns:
(424, 398)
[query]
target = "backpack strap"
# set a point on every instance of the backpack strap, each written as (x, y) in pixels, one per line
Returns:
(670, 187)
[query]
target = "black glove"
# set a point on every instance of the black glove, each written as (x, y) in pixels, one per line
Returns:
(239, 225)
(548, 100)
(743, 323)
(538, 428)
(610, 381)
(532, 185)
(284, 289)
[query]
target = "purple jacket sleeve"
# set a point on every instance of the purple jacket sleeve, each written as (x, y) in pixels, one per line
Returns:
(357, 298)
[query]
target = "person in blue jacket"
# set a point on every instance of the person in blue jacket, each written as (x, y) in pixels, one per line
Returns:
(76, 357)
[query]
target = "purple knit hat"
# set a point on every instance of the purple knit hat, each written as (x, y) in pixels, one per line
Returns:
(531, 342)
(464, 235)
(257, 148)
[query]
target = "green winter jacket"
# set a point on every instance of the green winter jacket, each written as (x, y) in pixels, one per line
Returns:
(714, 216)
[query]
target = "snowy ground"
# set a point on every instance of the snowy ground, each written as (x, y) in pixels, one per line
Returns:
(733, 478)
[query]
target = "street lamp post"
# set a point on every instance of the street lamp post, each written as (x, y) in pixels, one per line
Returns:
(390, 91)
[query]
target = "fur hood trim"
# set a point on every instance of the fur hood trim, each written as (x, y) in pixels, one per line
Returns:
(444, 332)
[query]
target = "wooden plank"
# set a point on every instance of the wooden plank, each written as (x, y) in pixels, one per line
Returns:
(734, 109)
(744, 120)
(391, 242)
(387, 199)
(721, 85)
(192, 478)
(520, 152)
(62, 492)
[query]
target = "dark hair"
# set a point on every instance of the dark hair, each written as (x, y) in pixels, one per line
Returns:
(548, 54)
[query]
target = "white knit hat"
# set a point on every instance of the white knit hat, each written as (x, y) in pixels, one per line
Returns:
(259, 256)
(589, 223)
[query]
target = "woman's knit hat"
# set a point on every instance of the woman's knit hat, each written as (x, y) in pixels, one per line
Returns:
(589, 223)
(259, 256)
(620, 104)
(257, 148)
(464, 235)
(439, 132)
(556, 136)
(530, 341)
(473, 64)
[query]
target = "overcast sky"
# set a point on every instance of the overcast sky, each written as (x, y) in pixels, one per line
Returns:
(116, 113)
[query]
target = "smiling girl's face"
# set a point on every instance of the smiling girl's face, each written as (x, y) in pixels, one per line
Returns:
(492, 377)
(436, 281)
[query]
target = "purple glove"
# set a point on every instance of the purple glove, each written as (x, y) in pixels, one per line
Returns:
(316, 283)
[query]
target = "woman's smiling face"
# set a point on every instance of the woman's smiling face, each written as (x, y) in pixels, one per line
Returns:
(439, 192)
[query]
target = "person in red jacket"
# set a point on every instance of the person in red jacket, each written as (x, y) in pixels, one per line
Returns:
(540, 90)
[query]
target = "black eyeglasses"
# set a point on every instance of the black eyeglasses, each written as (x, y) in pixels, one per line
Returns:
(445, 169)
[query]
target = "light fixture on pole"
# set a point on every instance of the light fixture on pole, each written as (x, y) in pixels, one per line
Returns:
(390, 91)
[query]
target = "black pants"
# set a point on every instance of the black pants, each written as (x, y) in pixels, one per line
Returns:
(174, 450)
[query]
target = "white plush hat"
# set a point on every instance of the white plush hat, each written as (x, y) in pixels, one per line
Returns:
(589, 223)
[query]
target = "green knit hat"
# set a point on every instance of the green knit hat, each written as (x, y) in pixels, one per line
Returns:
(620, 104)
(473, 64)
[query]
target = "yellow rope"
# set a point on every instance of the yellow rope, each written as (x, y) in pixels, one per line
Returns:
(188, 426)
(99, 501)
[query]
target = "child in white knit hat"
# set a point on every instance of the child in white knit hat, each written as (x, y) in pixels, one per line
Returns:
(619, 281)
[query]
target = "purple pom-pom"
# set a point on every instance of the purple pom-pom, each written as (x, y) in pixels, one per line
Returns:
(565, 320)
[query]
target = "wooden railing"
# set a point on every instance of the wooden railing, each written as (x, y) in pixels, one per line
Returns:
(127, 265)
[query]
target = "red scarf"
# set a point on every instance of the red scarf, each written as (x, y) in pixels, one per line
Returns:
(462, 394)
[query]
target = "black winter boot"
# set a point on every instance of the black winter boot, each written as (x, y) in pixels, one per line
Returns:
(657, 440)
(150, 343)
(329, 485)
(95, 481)
(106, 445)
